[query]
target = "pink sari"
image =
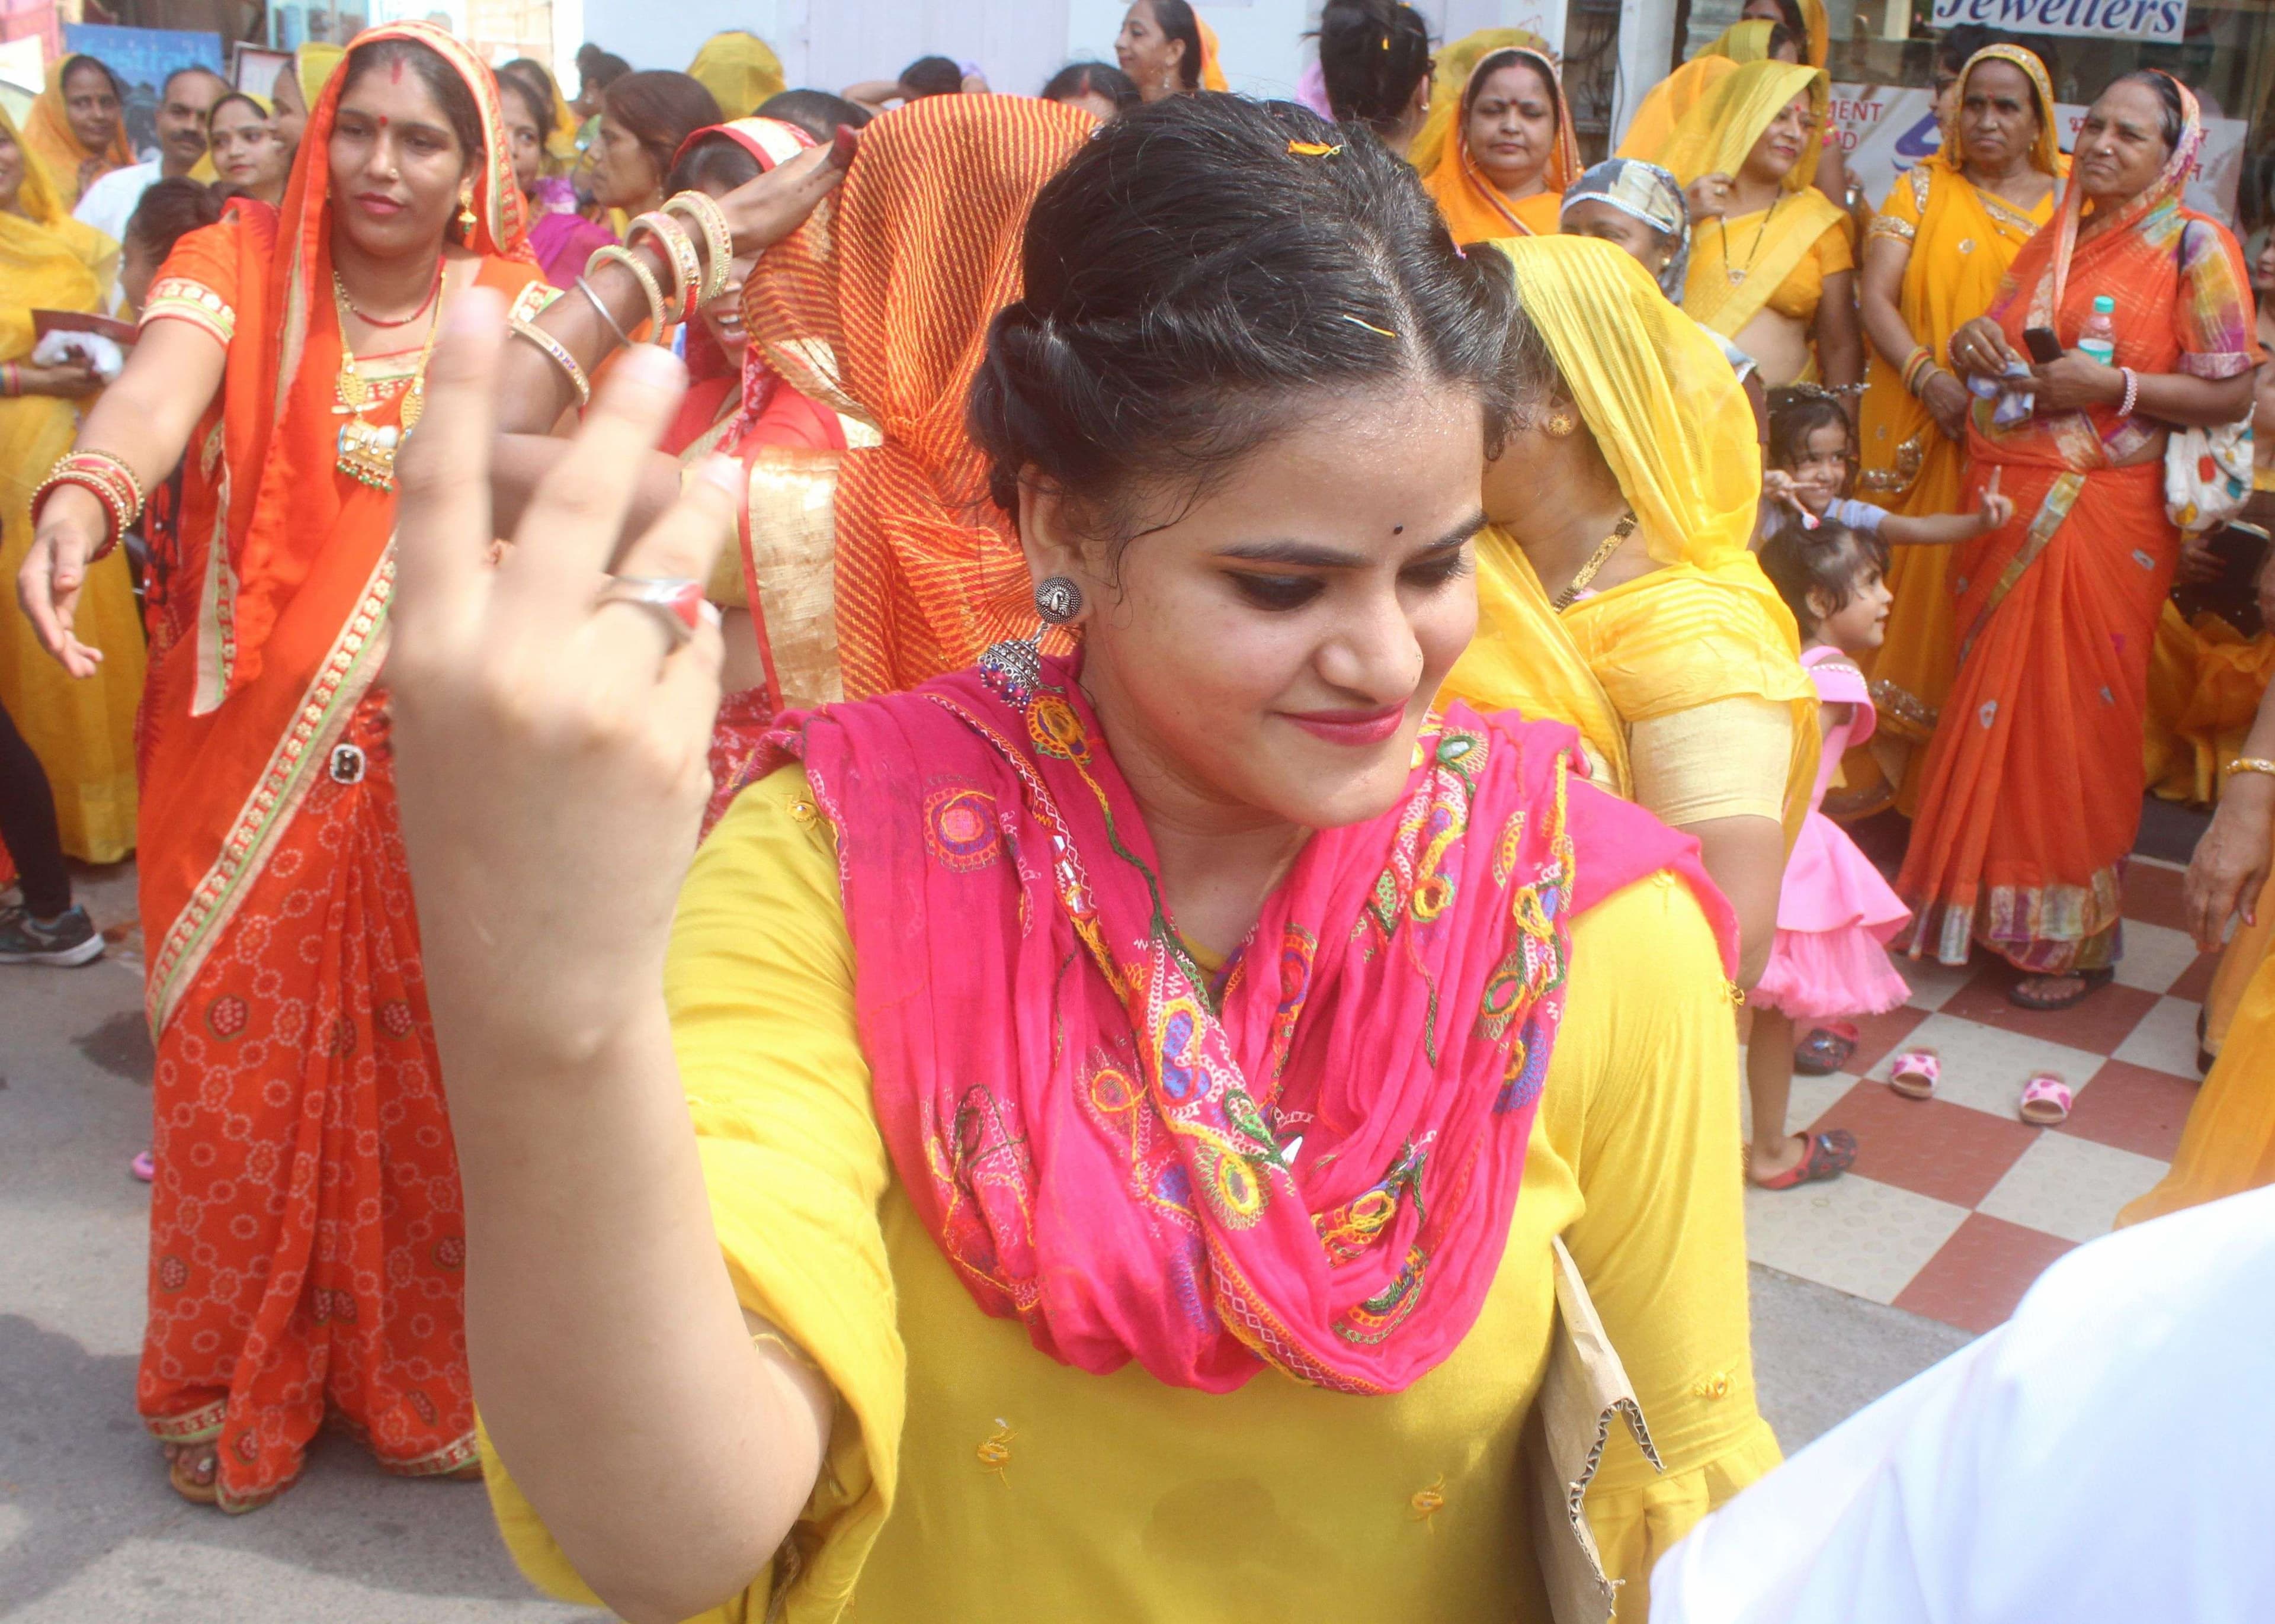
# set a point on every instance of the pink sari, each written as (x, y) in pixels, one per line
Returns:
(1307, 1162)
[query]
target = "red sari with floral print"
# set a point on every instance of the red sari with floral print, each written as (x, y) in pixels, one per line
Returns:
(306, 1241)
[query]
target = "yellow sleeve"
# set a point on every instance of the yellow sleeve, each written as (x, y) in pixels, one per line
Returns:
(1834, 251)
(1661, 1239)
(759, 984)
(1728, 758)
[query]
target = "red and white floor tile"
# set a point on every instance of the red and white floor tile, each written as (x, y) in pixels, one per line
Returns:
(1955, 1204)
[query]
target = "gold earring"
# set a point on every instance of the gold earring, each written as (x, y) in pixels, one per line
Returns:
(1562, 423)
(466, 220)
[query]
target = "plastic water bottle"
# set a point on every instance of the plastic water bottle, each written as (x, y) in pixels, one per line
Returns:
(2098, 339)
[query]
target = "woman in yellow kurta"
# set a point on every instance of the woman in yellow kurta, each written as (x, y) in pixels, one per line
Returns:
(1774, 270)
(1669, 101)
(1628, 504)
(1106, 1075)
(1499, 154)
(1934, 260)
(83, 732)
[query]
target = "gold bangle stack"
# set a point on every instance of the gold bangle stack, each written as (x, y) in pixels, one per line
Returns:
(707, 217)
(2251, 764)
(613, 254)
(108, 478)
(678, 249)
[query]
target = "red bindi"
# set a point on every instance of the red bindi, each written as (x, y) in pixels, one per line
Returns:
(382, 121)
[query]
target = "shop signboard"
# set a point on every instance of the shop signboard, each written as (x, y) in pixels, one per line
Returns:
(2157, 20)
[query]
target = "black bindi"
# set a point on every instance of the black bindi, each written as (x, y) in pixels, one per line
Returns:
(1398, 529)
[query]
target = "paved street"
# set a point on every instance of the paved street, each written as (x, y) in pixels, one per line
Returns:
(89, 1530)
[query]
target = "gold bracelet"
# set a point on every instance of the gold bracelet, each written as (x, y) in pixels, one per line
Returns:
(613, 254)
(2251, 764)
(558, 353)
(718, 239)
(678, 249)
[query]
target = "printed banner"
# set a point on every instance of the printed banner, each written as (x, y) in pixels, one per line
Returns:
(2107, 19)
(1886, 129)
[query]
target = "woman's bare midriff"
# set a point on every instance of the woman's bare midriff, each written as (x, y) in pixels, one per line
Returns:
(1779, 345)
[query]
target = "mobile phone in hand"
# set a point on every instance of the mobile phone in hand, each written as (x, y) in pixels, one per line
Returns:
(2042, 345)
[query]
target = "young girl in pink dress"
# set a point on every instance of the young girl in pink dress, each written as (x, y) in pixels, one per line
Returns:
(1834, 911)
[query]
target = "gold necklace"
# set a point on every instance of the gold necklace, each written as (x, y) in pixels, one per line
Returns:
(1602, 555)
(1738, 274)
(367, 451)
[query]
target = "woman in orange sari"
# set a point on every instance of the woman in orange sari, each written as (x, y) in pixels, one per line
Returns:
(306, 1247)
(2034, 779)
(1501, 153)
(1933, 262)
(77, 127)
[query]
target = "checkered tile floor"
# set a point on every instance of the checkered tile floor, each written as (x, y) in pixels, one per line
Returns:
(1955, 1204)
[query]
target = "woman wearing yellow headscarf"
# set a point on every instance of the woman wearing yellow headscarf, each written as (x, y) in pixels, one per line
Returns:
(1620, 517)
(1934, 260)
(1666, 103)
(299, 82)
(1773, 270)
(83, 732)
(1498, 148)
(77, 128)
(740, 70)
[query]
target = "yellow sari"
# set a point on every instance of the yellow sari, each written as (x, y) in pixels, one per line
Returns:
(1962, 240)
(1715, 139)
(47, 135)
(740, 70)
(1672, 421)
(1669, 102)
(82, 730)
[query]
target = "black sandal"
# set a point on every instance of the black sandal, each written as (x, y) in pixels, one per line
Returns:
(1830, 1154)
(1825, 1050)
(2090, 982)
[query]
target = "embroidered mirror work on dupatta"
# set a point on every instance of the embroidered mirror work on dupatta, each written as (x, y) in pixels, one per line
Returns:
(1308, 1165)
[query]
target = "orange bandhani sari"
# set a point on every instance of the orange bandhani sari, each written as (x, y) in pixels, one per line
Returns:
(1962, 239)
(1476, 209)
(306, 1244)
(2033, 790)
(878, 308)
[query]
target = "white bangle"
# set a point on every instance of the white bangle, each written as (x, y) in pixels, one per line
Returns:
(2132, 392)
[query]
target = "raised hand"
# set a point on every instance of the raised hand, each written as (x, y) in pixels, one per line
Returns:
(1709, 196)
(552, 745)
(761, 212)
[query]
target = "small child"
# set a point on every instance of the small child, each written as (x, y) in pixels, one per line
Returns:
(1834, 911)
(1810, 459)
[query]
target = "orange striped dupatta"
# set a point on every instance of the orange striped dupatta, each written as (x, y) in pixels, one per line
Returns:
(290, 559)
(879, 306)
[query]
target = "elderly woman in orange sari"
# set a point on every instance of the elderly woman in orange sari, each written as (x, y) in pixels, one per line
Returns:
(2033, 788)
(77, 127)
(305, 1243)
(1771, 266)
(1933, 262)
(1616, 587)
(1497, 150)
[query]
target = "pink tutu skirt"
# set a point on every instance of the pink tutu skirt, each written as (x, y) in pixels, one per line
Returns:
(1835, 914)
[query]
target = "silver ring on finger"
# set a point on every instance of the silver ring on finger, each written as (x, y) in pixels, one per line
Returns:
(673, 601)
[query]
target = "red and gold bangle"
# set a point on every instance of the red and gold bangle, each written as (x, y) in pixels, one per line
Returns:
(612, 254)
(12, 379)
(679, 252)
(1915, 364)
(111, 482)
(703, 211)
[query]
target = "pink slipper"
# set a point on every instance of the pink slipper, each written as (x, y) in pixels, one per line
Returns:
(144, 1167)
(2047, 1100)
(1913, 1074)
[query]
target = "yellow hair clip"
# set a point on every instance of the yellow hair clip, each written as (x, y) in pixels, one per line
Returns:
(1370, 326)
(1313, 150)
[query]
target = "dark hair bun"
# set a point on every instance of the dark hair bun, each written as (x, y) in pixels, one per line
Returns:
(1193, 272)
(1372, 53)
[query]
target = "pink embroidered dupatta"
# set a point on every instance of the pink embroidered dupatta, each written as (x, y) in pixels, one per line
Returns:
(1310, 1164)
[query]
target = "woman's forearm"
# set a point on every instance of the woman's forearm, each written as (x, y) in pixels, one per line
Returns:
(1878, 287)
(146, 416)
(665, 1453)
(1745, 857)
(1839, 347)
(533, 391)
(519, 463)
(2196, 403)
